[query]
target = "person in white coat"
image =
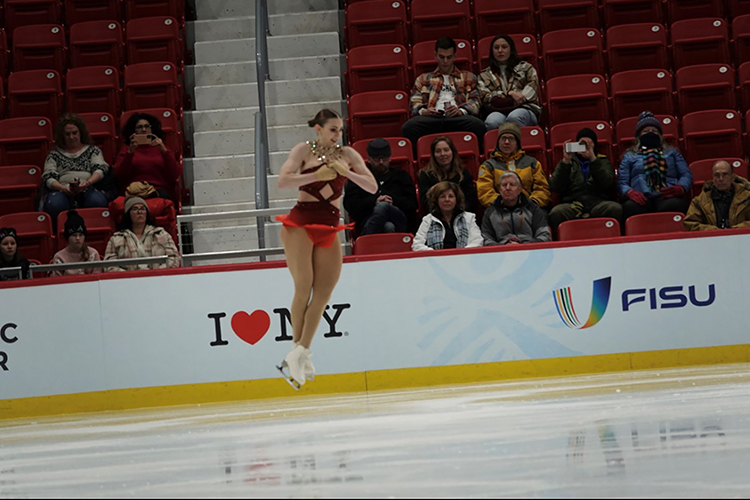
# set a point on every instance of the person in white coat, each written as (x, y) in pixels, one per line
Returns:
(447, 225)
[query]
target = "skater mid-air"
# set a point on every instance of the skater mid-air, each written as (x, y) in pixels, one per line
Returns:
(310, 234)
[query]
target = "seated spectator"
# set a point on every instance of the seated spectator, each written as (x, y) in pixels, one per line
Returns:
(446, 165)
(445, 100)
(512, 218)
(77, 249)
(9, 256)
(722, 204)
(73, 169)
(509, 157)
(395, 202)
(447, 225)
(145, 167)
(139, 237)
(509, 87)
(653, 176)
(585, 182)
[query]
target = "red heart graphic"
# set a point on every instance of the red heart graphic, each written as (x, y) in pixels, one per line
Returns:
(251, 327)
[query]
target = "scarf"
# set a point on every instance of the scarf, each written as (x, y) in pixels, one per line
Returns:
(509, 159)
(654, 168)
(434, 238)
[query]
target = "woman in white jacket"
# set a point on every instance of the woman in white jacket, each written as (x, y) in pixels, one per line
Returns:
(447, 212)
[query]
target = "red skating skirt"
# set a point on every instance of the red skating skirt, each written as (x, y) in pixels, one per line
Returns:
(319, 219)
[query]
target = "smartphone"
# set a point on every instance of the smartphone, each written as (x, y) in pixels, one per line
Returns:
(574, 147)
(143, 139)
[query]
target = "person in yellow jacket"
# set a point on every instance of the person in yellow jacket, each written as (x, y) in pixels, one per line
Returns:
(509, 157)
(722, 204)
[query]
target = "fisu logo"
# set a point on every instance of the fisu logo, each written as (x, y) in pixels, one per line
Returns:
(599, 301)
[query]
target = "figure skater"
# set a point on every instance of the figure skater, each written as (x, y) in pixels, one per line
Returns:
(310, 233)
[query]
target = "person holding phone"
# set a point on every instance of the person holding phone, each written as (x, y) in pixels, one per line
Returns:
(585, 182)
(146, 160)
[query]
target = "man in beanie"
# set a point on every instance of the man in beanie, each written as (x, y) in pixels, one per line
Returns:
(509, 157)
(9, 256)
(585, 183)
(392, 207)
(77, 250)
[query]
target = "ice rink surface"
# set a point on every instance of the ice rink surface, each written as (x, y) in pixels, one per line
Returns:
(682, 432)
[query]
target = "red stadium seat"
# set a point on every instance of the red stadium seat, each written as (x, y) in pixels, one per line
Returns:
(568, 132)
(28, 12)
(626, 131)
(533, 143)
(100, 226)
(708, 133)
(692, 9)
(170, 125)
(637, 46)
(618, 12)
(588, 229)
(402, 155)
(101, 127)
(423, 57)
(577, 98)
(96, 43)
(18, 187)
(744, 78)
(705, 86)
(154, 39)
(2, 98)
(152, 85)
(525, 46)
(376, 22)
(4, 54)
(655, 223)
(34, 234)
(638, 90)
(371, 244)
(39, 47)
(509, 16)
(81, 11)
(36, 92)
(378, 114)
(136, 9)
(378, 67)
(738, 7)
(572, 52)
(25, 141)
(93, 89)
(741, 35)
(702, 171)
(434, 19)
(466, 144)
(700, 41)
(568, 14)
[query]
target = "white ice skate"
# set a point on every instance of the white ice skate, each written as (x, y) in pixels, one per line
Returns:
(293, 367)
(309, 367)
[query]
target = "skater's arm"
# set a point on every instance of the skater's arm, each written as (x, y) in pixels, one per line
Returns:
(289, 176)
(359, 173)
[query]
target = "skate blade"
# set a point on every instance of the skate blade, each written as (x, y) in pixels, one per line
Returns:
(295, 385)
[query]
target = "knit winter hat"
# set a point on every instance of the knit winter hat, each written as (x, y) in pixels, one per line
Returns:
(8, 231)
(379, 148)
(587, 132)
(647, 119)
(509, 128)
(74, 224)
(134, 200)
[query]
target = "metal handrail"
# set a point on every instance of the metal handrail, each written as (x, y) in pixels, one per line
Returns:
(159, 259)
(262, 154)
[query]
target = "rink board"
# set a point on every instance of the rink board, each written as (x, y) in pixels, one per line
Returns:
(453, 317)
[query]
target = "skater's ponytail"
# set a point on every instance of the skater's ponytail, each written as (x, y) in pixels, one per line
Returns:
(322, 117)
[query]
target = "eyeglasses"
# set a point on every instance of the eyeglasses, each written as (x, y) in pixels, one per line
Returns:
(508, 138)
(143, 127)
(138, 209)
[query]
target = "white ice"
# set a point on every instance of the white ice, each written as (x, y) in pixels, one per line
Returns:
(670, 433)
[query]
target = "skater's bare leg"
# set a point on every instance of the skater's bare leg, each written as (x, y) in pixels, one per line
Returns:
(326, 272)
(298, 249)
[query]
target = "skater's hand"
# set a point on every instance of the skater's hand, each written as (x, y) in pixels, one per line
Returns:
(339, 167)
(325, 173)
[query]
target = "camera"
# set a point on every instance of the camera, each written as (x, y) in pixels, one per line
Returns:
(574, 147)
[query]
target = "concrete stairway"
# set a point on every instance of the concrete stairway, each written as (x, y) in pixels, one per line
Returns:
(305, 67)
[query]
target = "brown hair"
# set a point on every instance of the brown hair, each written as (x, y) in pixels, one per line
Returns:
(71, 119)
(434, 193)
(322, 117)
(456, 168)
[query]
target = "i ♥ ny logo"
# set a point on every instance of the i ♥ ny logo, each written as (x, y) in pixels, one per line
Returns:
(252, 327)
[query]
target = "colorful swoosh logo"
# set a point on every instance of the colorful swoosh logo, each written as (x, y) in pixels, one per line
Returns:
(599, 302)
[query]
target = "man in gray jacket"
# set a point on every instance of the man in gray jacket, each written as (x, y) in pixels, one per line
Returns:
(512, 218)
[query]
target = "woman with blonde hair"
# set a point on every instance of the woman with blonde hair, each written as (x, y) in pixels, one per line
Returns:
(446, 165)
(447, 225)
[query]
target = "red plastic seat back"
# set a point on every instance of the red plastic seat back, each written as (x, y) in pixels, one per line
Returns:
(618, 12)
(700, 41)
(378, 114)
(30, 12)
(101, 127)
(25, 141)
(744, 79)
(39, 47)
(738, 7)
(96, 43)
(4, 54)
(568, 14)
(80, 11)
(152, 85)
(692, 9)
(35, 92)
(509, 16)
(402, 155)
(18, 188)
(100, 226)
(587, 229)
(378, 67)
(711, 133)
(466, 144)
(375, 22)
(372, 244)
(572, 52)
(637, 46)
(656, 223)
(525, 46)
(638, 90)
(568, 132)
(423, 57)
(136, 9)
(741, 35)
(34, 234)
(705, 86)
(93, 89)
(153, 39)
(577, 98)
(626, 132)
(434, 19)
(702, 171)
